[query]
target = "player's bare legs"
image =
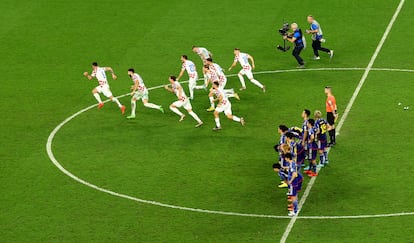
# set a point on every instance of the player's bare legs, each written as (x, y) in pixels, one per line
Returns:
(98, 98)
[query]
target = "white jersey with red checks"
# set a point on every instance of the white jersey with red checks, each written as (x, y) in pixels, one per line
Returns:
(218, 72)
(176, 86)
(190, 67)
(243, 59)
(220, 92)
(141, 86)
(100, 75)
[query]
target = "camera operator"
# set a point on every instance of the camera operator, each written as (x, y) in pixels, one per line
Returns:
(297, 38)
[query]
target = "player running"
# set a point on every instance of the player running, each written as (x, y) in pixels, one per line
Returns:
(204, 54)
(103, 87)
(182, 101)
(243, 59)
(224, 105)
(215, 73)
(190, 67)
(139, 92)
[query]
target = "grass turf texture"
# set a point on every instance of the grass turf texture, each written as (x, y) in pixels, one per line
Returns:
(46, 47)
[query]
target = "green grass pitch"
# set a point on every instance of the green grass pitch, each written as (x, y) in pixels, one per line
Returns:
(47, 45)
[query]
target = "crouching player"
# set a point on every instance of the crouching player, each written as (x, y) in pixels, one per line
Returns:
(296, 149)
(295, 185)
(283, 174)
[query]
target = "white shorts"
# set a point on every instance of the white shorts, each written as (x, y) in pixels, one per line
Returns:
(192, 82)
(186, 104)
(222, 83)
(104, 89)
(141, 95)
(224, 108)
(248, 73)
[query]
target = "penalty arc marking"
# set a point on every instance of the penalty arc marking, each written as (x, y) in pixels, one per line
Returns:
(86, 183)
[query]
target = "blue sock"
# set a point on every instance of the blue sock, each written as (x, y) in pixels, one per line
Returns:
(326, 156)
(295, 206)
(321, 159)
(314, 168)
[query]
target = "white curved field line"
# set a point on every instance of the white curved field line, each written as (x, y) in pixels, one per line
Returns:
(49, 145)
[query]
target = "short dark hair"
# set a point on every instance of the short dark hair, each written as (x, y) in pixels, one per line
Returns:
(307, 112)
(237, 49)
(131, 70)
(277, 166)
(185, 57)
(216, 83)
(193, 47)
(288, 156)
(210, 59)
(95, 64)
(173, 77)
(284, 128)
(312, 122)
(207, 66)
(290, 135)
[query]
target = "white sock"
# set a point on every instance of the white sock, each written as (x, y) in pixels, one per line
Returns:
(242, 80)
(236, 119)
(176, 111)
(133, 107)
(231, 95)
(117, 102)
(151, 105)
(211, 101)
(191, 89)
(194, 115)
(97, 97)
(229, 91)
(257, 83)
(199, 87)
(217, 120)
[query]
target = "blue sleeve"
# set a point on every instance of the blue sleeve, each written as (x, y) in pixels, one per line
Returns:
(296, 35)
(314, 27)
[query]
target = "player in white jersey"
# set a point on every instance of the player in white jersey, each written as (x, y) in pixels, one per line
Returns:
(139, 92)
(190, 67)
(103, 87)
(182, 101)
(204, 54)
(243, 59)
(223, 105)
(216, 74)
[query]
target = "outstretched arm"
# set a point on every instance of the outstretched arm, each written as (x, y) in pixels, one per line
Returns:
(112, 72)
(86, 74)
(233, 65)
(181, 74)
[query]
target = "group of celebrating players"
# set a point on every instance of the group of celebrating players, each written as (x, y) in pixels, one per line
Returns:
(297, 144)
(213, 74)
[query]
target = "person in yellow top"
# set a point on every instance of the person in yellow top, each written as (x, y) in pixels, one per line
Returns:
(331, 114)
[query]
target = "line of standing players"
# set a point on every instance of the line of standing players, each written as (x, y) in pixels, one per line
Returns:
(297, 144)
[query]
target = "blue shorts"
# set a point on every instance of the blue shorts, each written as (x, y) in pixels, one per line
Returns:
(322, 144)
(313, 153)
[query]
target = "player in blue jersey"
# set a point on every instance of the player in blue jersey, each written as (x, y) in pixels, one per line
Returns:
(305, 115)
(295, 184)
(296, 149)
(321, 126)
(312, 147)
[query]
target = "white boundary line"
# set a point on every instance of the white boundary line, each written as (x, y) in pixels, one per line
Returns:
(345, 114)
(74, 177)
